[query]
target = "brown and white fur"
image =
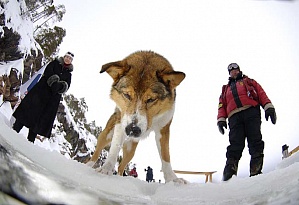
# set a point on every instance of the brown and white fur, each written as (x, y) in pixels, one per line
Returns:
(143, 89)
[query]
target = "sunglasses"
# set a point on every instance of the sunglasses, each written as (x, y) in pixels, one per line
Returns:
(233, 66)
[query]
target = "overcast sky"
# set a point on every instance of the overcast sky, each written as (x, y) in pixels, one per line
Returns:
(199, 38)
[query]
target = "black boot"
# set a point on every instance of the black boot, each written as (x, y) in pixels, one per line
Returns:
(31, 136)
(230, 169)
(256, 164)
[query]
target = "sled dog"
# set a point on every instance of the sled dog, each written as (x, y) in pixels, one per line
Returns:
(144, 90)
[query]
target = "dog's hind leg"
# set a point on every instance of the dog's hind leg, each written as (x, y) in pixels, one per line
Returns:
(129, 148)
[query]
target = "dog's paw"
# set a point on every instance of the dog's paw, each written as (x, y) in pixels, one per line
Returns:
(180, 181)
(170, 176)
(107, 169)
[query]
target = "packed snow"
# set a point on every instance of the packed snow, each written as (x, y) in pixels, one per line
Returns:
(52, 177)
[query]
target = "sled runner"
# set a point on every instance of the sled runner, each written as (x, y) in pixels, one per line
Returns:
(208, 174)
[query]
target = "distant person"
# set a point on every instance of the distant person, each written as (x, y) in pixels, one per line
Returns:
(149, 174)
(37, 111)
(240, 102)
(285, 151)
(133, 173)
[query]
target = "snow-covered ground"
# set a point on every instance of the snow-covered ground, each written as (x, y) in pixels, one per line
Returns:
(35, 174)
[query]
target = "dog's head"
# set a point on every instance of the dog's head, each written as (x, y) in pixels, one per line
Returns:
(144, 91)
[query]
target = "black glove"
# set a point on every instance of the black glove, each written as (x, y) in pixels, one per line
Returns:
(220, 125)
(271, 112)
(52, 79)
(56, 86)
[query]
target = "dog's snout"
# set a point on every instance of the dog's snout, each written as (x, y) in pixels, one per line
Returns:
(133, 130)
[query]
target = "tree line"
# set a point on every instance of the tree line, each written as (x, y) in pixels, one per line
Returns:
(43, 14)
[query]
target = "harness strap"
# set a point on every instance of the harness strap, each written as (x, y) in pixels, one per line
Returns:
(251, 92)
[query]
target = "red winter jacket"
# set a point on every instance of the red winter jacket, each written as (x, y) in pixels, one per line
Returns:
(245, 92)
(133, 173)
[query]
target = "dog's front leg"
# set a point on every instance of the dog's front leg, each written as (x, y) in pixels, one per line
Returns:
(162, 141)
(104, 138)
(116, 145)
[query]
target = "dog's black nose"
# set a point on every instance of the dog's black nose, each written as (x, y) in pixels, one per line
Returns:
(133, 130)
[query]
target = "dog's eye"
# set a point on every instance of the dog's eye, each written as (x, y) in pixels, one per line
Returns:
(126, 95)
(150, 100)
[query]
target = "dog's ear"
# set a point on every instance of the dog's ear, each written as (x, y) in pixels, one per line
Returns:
(115, 69)
(173, 79)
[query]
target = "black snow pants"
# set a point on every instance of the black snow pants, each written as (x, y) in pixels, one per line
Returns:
(242, 125)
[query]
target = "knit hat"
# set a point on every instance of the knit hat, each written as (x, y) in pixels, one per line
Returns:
(70, 54)
(233, 66)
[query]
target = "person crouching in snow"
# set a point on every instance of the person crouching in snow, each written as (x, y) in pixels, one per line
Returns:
(240, 102)
(133, 173)
(37, 111)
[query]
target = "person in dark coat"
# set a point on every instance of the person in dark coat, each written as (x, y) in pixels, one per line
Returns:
(37, 111)
(149, 174)
(240, 103)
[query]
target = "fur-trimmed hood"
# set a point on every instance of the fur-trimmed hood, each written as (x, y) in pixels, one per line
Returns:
(70, 67)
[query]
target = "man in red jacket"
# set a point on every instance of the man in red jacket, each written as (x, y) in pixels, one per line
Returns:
(240, 102)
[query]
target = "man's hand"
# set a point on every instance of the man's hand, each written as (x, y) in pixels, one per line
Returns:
(221, 125)
(271, 112)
